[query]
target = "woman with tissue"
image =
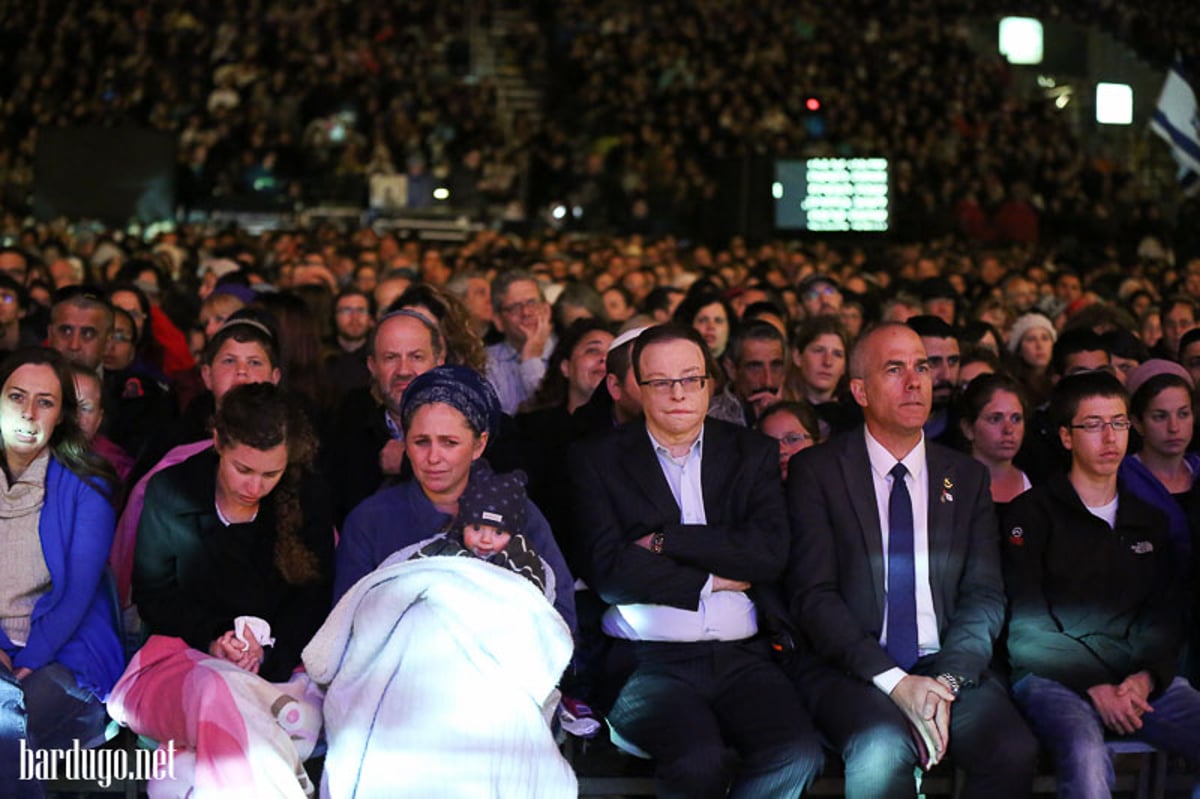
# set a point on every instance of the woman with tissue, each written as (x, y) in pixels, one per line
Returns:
(232, 577)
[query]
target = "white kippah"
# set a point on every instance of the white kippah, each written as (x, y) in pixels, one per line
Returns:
(626, 337)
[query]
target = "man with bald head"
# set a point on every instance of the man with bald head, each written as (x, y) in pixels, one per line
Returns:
(894, 574)
(365, 447)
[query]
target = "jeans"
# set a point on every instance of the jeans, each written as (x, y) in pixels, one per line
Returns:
(1070, 728)
(48, 710)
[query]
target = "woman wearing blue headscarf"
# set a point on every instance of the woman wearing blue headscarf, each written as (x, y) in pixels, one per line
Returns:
(448, 413)
(411, 643)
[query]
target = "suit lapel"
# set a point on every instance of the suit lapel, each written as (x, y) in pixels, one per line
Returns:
(645, 472)
(943, 482)
(717, 468)
(860, 484)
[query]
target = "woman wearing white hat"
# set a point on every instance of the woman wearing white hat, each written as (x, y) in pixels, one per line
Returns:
(1031, 341)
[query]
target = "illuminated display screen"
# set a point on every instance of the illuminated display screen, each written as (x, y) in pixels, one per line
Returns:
(847, 195)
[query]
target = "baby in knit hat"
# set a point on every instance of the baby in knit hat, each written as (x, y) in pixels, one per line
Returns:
(490, 526)
(490, 511)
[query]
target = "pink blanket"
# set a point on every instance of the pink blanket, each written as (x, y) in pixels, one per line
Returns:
(235, 734)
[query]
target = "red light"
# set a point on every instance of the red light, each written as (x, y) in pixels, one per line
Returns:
(812, 104)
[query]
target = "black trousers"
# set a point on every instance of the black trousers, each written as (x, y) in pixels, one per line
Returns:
(718, 718)
(988, 737)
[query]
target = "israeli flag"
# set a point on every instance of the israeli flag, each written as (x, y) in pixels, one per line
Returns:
(1177, 122)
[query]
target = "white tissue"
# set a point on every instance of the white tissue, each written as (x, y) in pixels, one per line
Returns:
(260, 628)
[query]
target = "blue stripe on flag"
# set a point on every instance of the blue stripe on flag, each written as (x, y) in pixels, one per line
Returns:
(1180, 139)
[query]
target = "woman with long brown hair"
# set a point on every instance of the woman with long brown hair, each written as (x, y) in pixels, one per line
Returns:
(232, 577)
(59, 649)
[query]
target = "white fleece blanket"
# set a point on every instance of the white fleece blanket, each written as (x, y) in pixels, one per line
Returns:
(437, 670)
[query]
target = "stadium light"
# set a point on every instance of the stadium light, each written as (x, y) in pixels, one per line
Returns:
(1021, 40)
(1114, 104)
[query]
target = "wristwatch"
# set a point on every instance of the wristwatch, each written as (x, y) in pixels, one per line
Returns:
(656, 543)
(952, 682)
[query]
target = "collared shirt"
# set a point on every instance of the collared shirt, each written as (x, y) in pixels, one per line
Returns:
(683, 476)
(917, 481)
(720, 615)
(515, 380)
(395, 431)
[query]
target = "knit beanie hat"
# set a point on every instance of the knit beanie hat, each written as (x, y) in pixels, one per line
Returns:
(1152, 368)
(492, 499)
(1026, 323)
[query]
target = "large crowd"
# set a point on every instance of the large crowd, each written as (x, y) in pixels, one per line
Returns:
(337, 475)
(412, 374)
(303, 103)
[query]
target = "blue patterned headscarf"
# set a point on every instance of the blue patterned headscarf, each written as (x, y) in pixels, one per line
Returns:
(460, 387)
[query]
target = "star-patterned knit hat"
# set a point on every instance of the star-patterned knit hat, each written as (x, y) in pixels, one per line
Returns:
(497, 500)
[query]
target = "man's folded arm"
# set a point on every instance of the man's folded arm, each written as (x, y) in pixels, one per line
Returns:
(619, 570)
(752, 551)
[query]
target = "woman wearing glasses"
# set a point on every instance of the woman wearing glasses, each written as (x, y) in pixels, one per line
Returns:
(141, 403)
(794, 425)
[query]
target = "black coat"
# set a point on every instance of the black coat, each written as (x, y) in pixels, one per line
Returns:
(621, 494)
(1090, 604)
(192, 576)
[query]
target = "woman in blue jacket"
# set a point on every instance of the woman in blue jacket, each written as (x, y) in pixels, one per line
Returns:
(59, 649)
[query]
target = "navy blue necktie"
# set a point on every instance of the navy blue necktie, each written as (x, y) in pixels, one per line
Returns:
(902, 574)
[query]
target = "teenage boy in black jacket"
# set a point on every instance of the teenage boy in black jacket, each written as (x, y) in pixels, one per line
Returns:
(1094, 637)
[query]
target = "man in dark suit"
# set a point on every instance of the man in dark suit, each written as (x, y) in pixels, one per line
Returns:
(894, 575)
(678, 518)
(365, 446)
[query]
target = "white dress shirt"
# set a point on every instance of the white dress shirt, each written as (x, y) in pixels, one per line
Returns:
(917, 481)
(720, 615)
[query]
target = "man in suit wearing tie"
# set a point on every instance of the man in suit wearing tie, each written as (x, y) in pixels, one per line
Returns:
(894, 576)
(679, 516)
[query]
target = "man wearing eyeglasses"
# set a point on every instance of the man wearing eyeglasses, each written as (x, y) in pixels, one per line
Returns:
(820, 296)
(516, 365)
(1094, 637)
(353, 318)
(680, 520)
(1076, 351)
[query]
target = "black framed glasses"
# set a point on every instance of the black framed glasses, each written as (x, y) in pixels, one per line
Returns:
(1098, 425)
(666, 385)
(516, 308)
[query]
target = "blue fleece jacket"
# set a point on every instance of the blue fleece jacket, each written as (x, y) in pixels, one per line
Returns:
(74, 624)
